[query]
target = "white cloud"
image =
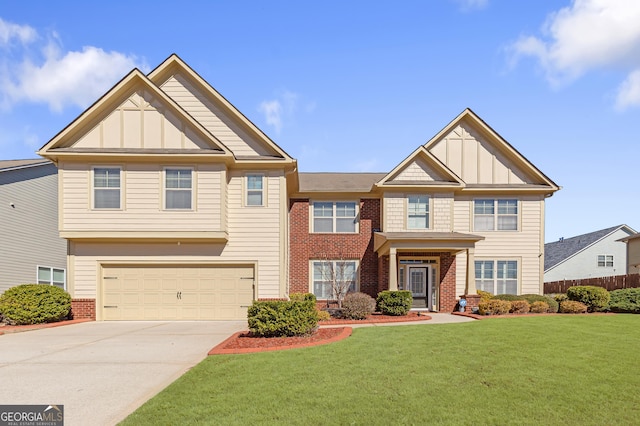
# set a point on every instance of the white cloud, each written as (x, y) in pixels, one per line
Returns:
(10, 31)
(276, 111)
(588, 35)
(46, 74)
(629, 91)
(471, 5)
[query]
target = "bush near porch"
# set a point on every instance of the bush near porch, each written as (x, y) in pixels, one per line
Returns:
(28, 304)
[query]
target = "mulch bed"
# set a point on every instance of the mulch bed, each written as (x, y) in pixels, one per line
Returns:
(19, 328)
(244, 342)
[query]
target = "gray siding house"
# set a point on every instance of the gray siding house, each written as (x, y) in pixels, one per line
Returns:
(592, 255)
(31, 249)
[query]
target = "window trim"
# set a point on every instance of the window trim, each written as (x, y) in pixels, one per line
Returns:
(165, 189)
(428, 212)
(495, 278)
(51, 280)
(120, 188)
(334, 217)
(605, 260)
(247, 189)
(333, 260)
(496, 215)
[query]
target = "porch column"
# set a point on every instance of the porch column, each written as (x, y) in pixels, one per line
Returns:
(471, 272)
(393, 269)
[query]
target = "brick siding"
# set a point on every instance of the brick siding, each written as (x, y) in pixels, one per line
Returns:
(305, 246)
(83, 308)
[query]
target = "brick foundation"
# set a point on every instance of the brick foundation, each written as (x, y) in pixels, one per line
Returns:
(83, 309)
(473, 300)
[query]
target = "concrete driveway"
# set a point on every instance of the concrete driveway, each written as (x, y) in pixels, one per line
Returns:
(103, 371)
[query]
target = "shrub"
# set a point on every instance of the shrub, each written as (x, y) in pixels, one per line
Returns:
(507, 297)
(484, 295)
(539, 307)
(279, 318)
(358, 306)
(519, 307)
(531, 298)
(494, 307)
(560, 297)
(394, 302)
(301, 297)
(34, 304)
(572, 307)
(324, 316)
(625, 300)
(596, 298)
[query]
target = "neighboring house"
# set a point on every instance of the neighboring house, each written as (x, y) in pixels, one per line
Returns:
(633, 253)
(176, 206)
(463, 212)
(31, 249)
(596, 254)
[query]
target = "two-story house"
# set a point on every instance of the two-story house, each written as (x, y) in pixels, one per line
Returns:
(465, 211)
(176, 206)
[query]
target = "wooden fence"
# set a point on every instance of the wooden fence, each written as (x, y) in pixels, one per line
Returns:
(610, 283)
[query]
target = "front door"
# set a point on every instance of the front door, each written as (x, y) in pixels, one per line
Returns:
(418, 281)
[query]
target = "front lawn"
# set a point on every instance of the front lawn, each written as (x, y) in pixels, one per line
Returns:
(548, 370)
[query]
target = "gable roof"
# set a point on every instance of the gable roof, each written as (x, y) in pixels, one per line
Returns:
(559, 251)
(543, 182)
(8, 165)
(174, 64)
(62, 143)
(338, 182)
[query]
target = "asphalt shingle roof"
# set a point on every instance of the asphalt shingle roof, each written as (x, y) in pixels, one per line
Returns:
(558, 251)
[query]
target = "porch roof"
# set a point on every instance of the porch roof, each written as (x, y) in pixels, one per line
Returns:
(441, 241)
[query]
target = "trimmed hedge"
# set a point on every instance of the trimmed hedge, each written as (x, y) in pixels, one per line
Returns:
(358, 306)
(596, 298)
(519, 307)
(553, 305)
(484, 295)
(34, 304)
(539, 307)
(572, 307)
(280, 318)
(301, 297)
(626, 300)
(494, 307)
(396, 302)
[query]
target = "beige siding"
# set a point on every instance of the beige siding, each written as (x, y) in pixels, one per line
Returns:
(524, 245)
(441, 206)
(213, 119)
(472, 157)
(394, 214)
(142, 190)
(29, 228)
(140, 122)
(417, 171)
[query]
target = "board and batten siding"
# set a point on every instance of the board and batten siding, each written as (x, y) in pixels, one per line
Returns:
(29, 229)
(255, 236)
(527, 242)
(212, 118)
(142, 195)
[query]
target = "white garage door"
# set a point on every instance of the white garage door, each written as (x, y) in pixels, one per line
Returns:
(176, 292)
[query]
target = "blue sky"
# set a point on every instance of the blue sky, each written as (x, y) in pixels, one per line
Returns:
(359, 85)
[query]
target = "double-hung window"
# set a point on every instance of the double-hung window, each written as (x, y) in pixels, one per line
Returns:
(335, 217)
(51, 276)
(255, 190)
(497, 276)
(178, 189)
(418, 212)
(331, 277)
(491, 215)
(605, 261)
(106, 187)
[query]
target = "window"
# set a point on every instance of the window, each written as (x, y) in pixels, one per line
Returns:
(255, 190)
(605, 261)
(418, 212)
(331, 277)
(178, 192)
(106, 187)
(51, 276)
(497, 276)
(490, 215)
(339, 217)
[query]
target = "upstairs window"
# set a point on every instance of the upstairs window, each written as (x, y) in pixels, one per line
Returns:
(418, 212)
(178, 189)
(492, 215)
(51, 276)
(605, 261)
(106, 187)
(255, 190)
(335, 217)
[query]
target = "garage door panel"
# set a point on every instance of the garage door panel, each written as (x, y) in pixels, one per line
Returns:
(177, 292)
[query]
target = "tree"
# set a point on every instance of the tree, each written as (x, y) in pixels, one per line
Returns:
(340, 275)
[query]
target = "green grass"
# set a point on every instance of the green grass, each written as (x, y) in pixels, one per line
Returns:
(550, 370)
